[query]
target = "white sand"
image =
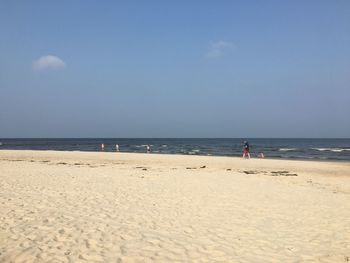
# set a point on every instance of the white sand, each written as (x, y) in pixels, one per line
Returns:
(115, 207)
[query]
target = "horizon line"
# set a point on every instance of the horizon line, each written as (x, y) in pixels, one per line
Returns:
(13, 138)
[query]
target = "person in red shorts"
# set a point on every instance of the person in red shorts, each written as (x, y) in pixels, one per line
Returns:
(246, 150)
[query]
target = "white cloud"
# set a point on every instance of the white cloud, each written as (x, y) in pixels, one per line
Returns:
(218, 49)
(222, 45)
(214, 53)
(48, 62)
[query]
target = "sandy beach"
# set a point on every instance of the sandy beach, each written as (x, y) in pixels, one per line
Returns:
(124, 207)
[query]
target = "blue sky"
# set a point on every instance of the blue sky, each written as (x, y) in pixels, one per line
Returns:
(175, 68)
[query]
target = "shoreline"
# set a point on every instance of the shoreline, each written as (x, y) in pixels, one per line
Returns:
(179, 154)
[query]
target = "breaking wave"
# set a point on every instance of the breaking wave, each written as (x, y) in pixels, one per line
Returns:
(331, 149)
(287, 149)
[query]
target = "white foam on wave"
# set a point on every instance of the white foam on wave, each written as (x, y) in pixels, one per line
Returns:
(331, 149)
(287, 149)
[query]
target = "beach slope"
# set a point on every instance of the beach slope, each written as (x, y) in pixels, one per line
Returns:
(124, 207)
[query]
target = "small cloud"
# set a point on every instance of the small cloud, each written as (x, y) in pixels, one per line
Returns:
(48, 62)
(218, 49)
(214, 53)
(222, 45)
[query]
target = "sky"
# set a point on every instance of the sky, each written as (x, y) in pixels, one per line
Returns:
(228, 69)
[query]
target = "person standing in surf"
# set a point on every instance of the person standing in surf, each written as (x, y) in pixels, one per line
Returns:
(246, 150)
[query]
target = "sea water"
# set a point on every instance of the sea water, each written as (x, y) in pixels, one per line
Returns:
(323, 149)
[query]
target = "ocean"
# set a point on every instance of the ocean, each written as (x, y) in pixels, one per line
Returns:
(319, 149)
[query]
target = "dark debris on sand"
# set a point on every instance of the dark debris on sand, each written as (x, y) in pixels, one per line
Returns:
(282, 173)
(272, 173)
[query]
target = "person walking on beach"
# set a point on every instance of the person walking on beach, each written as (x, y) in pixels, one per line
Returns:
(246, 150)
(102, 146)
(148, 148)
(117, 147)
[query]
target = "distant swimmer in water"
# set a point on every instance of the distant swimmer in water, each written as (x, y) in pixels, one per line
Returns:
(246, 150)
(102, 146)
(148, 148)
(117, 147)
